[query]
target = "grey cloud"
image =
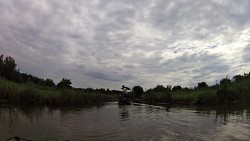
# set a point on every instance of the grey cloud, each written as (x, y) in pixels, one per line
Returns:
(109, 76)
(203, 62)
(192, 67)
(197, 19)
(95, 41)
(122, 17)
(246, 54)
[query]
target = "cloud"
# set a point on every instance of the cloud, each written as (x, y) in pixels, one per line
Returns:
(110, 43)
(246, 53)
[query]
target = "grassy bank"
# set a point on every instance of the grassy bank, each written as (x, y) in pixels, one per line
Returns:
(31, 94)
(231, 91)
(28, 93)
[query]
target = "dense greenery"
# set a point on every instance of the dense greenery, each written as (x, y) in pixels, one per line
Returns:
(236, 89)
(64, 83)
(22, 88)
(137, 91)
(32, 94)
(17, 87)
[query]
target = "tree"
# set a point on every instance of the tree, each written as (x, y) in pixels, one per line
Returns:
(202, 85)
(64, 83)
(238, 78)
(7, 67)
(159, 88)
(1, 65)
(137, 91)
(49, 82)
(175, 88)
(225, 81)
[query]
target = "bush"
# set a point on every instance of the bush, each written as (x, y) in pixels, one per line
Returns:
(29, 96)
(157, 97)
(137, 91)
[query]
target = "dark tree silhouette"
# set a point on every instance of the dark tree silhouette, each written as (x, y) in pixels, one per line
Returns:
(64, 83)
(137, 91)
(202, 85)
(225, 81)
(159, 88)
(49, 82)
(1, 65)
(238, 78)
(175, 88)
(8, 69)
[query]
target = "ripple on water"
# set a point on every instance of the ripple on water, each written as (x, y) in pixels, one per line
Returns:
(135, 122)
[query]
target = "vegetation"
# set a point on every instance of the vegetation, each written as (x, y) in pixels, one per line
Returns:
(64, 83)
(32, 94)
(22, 88)
(137, 91)
(17, 87)
(237, 89)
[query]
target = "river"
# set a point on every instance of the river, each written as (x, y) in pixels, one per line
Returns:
(139, 122)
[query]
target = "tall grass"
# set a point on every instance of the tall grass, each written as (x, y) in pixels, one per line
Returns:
(234, 91)
(224, 93)
(157, 97)
(200, 96)
(40, 95)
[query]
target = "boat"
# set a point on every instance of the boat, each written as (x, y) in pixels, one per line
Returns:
(124, 100)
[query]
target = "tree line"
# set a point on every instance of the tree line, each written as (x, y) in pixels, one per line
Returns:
(9, 71)
(138, 90)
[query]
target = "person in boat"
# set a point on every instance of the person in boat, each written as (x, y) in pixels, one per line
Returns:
(124, 95)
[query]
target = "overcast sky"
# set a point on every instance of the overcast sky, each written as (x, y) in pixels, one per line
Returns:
(108, 43)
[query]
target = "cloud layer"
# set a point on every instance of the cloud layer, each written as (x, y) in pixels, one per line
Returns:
(109, 43)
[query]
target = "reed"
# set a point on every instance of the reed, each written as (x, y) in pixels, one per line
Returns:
(157, 97)
(32, 94)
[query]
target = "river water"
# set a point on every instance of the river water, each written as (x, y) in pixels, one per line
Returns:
(139, 122)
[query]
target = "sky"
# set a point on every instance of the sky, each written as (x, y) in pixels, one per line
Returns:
(110, 43)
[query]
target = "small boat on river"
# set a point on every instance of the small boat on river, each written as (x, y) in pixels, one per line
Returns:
(124, 100)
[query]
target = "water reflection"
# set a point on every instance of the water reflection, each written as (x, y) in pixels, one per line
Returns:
(123, 112)
(227, 112)
(131, 122)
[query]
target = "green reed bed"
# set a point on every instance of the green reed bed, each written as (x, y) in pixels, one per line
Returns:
(200, 96)
(236, 91)
(41, 95)
(156, 97)
(226, 93)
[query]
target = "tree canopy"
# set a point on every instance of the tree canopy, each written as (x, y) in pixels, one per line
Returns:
(137, 91)
(64, 83)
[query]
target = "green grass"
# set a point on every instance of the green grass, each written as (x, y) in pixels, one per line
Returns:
(156, 97)
(234, 91)
(29, 93)
(225, 93)
(41, 95)
(200, 96)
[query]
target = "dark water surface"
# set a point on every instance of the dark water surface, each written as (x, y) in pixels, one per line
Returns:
(127, 123)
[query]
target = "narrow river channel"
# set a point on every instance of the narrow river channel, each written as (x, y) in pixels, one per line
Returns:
(138, 122)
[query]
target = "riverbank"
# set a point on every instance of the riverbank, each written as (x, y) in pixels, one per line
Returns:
(235, 91)
(31, 94)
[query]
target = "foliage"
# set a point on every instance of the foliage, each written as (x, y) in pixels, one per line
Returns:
(157, 97)
(237, 89)
(137, 91)
(49, 82)
(33, 94)
(64, 83)
(225, 81)
(202, 85)
(176, 88)
(28, 89)
(8, 68)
